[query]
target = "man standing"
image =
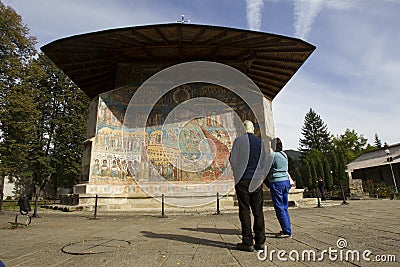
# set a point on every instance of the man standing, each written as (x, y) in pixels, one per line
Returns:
(321, 187)
(247, 161)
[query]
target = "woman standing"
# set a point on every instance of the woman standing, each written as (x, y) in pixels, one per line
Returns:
(279, 186)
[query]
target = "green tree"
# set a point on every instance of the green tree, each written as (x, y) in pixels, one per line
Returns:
(298, 178)
(341, 171)
(66, 109)
(314, 175)
(43, 114)
(315, 133)
(370, 148)
(334, 167)
(61, 129)
(377, 141)
(17, 107)
(327, 174)
(352, 143)
(319, 168)
(306, 176)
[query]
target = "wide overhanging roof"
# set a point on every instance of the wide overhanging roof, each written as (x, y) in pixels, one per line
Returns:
(91, 59)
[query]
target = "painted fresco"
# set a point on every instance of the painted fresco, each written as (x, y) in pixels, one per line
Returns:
(184, 150)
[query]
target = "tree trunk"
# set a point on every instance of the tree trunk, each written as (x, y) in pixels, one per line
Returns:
(37, 193)
(2, 193)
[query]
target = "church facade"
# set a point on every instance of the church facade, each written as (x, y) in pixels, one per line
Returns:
(145, 142)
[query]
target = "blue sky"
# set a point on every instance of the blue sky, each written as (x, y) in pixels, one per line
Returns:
(352, 80)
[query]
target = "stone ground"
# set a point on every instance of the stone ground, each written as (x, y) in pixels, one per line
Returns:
(203, 239)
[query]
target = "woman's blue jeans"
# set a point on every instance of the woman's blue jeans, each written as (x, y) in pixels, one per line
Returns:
(279, 194)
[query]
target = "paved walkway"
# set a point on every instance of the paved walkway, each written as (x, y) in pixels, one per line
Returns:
(133, 239)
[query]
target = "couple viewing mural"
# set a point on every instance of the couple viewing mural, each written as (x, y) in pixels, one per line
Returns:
(249, 162)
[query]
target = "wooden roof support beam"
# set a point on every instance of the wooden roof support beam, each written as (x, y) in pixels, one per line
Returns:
(179, 30)
(272, 70)
(275, 82)
(251, 41)
(246, 55)
(215, 38)
(198, 35)
(264, 88)
(282, 49)
(78, 49)
(147, 39)
(157, 30)
(234, 39)
(97, 76)
(126, 39)
(276, 64)
(281, 59)
(89, 69)
(83, 63)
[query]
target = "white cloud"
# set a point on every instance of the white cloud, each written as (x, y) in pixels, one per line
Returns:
(304, 13)
(254, 14)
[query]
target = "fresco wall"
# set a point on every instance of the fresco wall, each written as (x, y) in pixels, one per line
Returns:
(185, 150)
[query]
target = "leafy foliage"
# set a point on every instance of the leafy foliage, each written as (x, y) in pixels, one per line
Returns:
(18, 111)
(352, 143)
(17, 107)
(42, 113)
(64, 117)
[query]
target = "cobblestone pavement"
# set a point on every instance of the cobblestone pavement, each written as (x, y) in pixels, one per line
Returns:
(330, 236)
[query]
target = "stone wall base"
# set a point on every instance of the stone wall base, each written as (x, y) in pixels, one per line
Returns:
(131, 197)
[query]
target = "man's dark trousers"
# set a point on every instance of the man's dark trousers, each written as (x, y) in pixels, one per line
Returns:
(253, 200)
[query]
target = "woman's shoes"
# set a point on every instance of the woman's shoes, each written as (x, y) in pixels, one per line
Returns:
(281, 234)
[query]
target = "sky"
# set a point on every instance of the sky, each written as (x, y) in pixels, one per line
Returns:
(352, 80)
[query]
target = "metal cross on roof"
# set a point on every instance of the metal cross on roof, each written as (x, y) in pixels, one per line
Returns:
(183, 20)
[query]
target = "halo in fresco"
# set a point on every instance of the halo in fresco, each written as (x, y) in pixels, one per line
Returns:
(193, 142)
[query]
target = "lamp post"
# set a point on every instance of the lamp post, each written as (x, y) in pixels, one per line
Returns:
(389, 159)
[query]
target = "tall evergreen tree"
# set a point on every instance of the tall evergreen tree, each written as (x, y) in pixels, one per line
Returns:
(306, 176)
(319, 168)
(298, 178)
(315, 133)
(327, 174)
(334, 167)
(314, 175)
(377, 141)
(341, 171)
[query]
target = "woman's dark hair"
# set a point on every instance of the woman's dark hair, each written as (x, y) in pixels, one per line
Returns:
(276, 144)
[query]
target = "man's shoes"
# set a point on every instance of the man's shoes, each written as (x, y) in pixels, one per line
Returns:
(283, 235)
(244, 247)
(259, 247)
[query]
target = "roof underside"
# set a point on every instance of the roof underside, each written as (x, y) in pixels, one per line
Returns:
(91, 59)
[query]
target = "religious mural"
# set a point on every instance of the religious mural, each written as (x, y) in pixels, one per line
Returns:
(185, 149)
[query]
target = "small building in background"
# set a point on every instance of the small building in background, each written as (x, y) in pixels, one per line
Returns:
(9, 190)
(378, 171)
